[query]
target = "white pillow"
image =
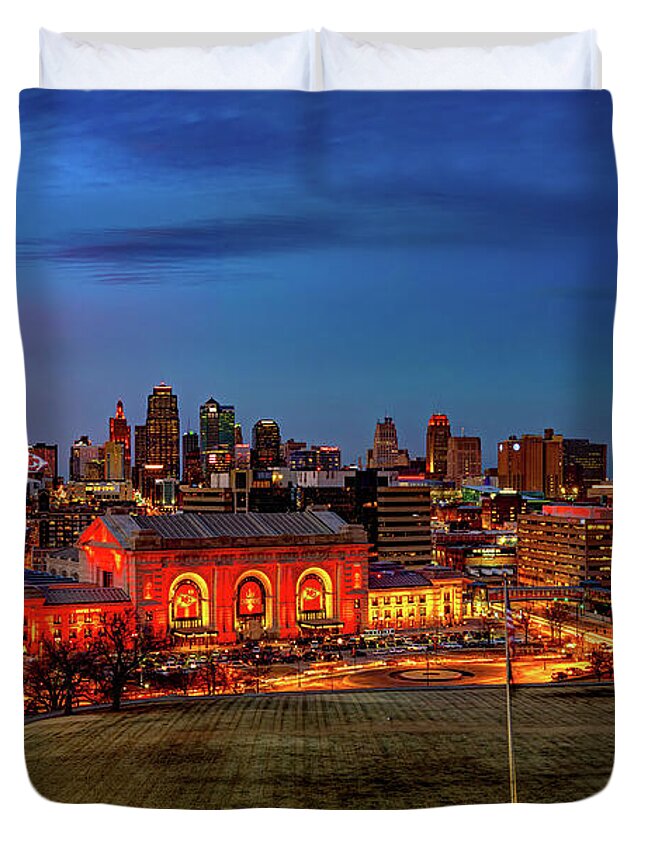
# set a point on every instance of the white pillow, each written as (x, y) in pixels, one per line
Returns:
(566, 62)
(286, 62)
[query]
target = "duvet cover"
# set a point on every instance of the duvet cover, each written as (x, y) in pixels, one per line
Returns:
(319, 503)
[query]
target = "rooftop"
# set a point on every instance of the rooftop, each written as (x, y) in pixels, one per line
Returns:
(229, 525)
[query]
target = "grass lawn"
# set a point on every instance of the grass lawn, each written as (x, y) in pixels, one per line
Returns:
(363, 750)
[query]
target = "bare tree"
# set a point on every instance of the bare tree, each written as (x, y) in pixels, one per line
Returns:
(557, 614)
(119, 652)
(55, 679)
(602, 663)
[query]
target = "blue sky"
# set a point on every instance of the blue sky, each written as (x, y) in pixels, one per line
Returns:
(320, 260)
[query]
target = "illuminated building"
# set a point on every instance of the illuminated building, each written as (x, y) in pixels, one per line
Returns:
(191, 464)
(532, 463)
(58, 528)
(229, 576)
(162, 438)
(501, 509)
(120, 432)
(323, 458)
(437, 435)
(140, 454)
(585, 465)
(242, 455)
(429, 597)
(464, 458)
(385, 453)
(81, 456)
(266, 444)
(565, 545)
(208, 430)
(289, 447)
(58, 608)
(238, 434)
(227, 428)
(114, 461)
(404, 519)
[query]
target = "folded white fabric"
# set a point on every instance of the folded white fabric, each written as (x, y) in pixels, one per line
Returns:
(565, 62)
(285, 62)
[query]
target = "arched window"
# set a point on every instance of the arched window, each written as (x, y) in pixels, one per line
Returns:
(251, 599)
(187, 604)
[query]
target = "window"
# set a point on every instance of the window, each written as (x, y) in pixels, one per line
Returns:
(73, 618)
(87, 633)
(57, 619)
(374, 602)
(73, 633)
(108, 579)
(410, 599)
(399, 599)
(386, 600)
(388, 614)
(88, 618)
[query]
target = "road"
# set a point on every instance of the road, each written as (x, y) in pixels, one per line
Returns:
(414, 670)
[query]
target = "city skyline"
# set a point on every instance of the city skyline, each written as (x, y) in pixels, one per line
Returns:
(489, 454)
(282, 272)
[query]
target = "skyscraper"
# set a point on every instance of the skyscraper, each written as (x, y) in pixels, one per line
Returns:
(266, 444)
(227, 428)
(464, 458)
(162, 432)
(114, 467)
(120, 432)
(437, 435)
(208, 429)
(191, 465)
(532, 463)
(385, 451)
(216, 436)
(83, 457)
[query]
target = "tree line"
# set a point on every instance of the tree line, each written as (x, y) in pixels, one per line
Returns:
(63, 675)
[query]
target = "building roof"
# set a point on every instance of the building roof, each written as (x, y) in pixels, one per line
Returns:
(85, 595)
(396, 580)
(60, 590)
(227, 525)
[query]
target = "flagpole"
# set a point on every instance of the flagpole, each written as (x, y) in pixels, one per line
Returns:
(509, 718)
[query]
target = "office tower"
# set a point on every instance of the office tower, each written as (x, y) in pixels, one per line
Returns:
(437, 435)
(140, 455)
(208, 429)
(242, 455)
(81, 456)
(385, 452)
(532, 463)
(585, 464)
(266, 444)
(162, 432)
(226, 428)
(291, 446)
(404, 524)
(191, 463)
(120, 431)
(328, 457)
(114, 467)
(565, 545)
(464, 458)
(238, 434)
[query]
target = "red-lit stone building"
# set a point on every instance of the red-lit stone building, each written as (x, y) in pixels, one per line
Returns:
(58, 608)
(224, 577)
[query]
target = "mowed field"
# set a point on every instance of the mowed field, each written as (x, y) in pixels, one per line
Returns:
(354, 750)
